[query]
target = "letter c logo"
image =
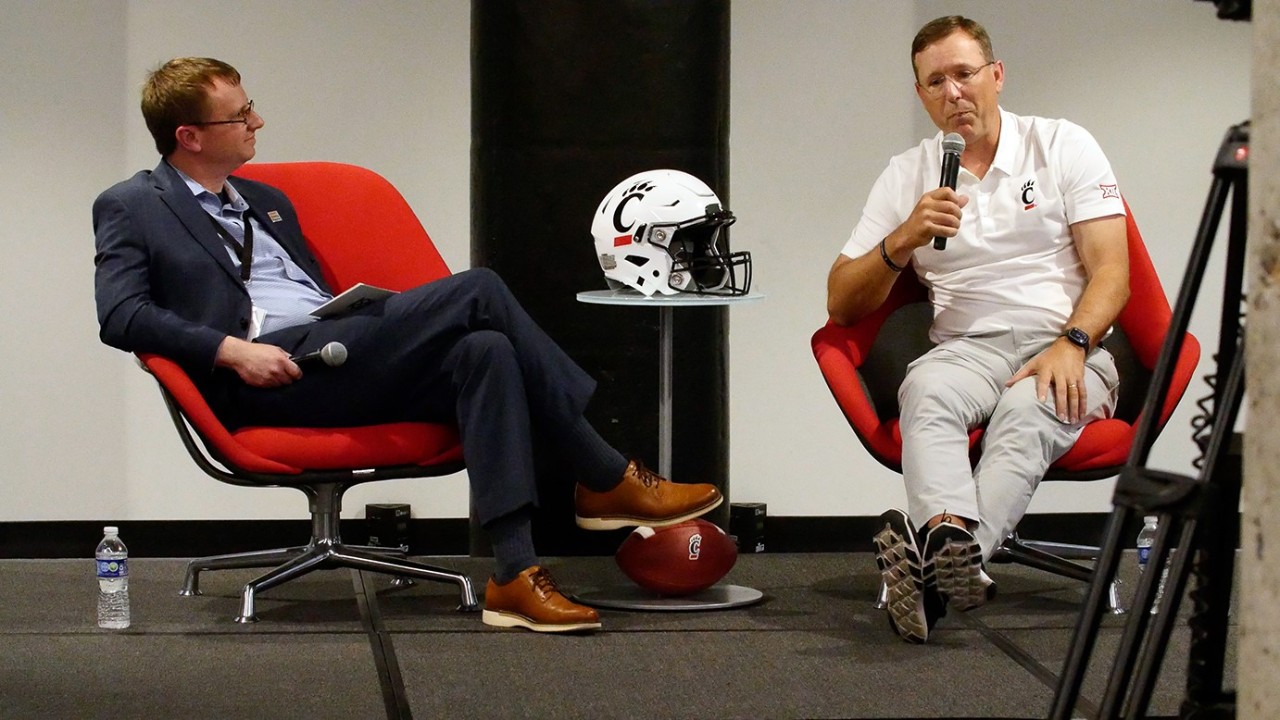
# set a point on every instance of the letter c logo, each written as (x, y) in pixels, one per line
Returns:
(695, 546)
(617, 214)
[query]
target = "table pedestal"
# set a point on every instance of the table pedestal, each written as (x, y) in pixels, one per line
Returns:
(632, 597)
(666, 305)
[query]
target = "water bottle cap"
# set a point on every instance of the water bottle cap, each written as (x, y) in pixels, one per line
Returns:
(1150, 519)
(111, 530)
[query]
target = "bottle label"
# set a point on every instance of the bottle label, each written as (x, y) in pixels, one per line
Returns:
(113, 568)
(1144, 554)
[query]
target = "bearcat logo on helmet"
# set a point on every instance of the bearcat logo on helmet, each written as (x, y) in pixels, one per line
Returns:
(635, 191)
(665, 231)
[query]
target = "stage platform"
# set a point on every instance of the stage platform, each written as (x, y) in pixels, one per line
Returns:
(812, 648)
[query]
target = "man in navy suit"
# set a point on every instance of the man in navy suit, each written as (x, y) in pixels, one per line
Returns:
(214, 273)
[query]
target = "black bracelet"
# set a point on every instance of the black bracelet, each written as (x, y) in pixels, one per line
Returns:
(888, 260)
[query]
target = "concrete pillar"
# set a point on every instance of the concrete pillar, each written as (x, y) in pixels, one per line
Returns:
(1259, 626)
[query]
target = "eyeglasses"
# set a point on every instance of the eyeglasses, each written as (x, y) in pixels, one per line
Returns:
(242, 118)
(934, 86)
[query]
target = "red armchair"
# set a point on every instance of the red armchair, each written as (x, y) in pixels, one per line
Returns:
(370, 236)
(864, 365)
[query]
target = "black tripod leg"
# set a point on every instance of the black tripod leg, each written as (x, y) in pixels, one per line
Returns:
(1213, 563)
(1197, 537)
(1082, 643)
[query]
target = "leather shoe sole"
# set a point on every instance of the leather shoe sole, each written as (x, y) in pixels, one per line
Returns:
(617, 522)
(504, 619)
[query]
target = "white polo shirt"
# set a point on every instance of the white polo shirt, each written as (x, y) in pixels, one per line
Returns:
(1014, 263)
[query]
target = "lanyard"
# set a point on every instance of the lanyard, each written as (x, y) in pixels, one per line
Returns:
(244, 251)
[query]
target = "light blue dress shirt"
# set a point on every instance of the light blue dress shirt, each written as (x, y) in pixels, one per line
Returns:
(277, 286)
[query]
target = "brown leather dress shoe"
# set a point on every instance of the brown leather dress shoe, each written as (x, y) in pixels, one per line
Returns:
(643, 498)
(533, 601)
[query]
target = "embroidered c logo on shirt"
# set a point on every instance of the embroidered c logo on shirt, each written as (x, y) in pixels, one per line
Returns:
(1029, 195)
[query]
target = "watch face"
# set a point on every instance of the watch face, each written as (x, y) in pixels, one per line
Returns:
(1078, 337)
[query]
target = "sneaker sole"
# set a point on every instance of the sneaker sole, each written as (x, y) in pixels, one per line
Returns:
(497, 618)
(617, 523)
(904, 592)
(957, 571)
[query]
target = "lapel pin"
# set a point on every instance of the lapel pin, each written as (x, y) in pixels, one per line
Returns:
(274, 215)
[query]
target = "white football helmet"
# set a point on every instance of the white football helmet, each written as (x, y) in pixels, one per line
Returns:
(665, 231)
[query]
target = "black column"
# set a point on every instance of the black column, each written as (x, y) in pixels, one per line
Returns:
(569, 97)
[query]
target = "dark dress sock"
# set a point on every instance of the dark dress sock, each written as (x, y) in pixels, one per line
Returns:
(512, 538)
(598, 465)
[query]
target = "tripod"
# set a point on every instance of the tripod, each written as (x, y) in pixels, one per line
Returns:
(1199, 512)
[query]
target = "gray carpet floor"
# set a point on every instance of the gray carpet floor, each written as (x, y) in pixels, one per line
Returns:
(812, 648)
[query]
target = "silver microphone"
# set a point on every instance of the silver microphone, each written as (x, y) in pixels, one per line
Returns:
(332, 354)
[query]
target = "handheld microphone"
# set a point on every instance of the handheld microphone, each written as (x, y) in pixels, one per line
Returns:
(333, 354)
(952, 146)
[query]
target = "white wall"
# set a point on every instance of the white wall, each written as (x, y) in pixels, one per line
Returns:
(61, 436)
(821, 97)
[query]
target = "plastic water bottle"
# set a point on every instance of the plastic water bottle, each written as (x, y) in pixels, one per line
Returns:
(113, 580)
(1146, 538)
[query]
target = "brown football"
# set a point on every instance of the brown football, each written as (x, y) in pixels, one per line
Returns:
(679, 559)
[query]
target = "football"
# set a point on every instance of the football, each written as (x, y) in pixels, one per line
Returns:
(679, 559)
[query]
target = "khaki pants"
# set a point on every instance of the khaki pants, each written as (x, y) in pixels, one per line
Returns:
(959, 385)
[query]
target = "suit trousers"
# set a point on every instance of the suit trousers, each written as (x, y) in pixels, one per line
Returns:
(958, 386)
(460, 349)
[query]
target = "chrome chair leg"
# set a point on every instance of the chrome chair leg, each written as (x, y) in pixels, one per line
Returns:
(402, 551)
(1051, 557)
(1015, 551)
(350, 557)
(233, 561)
(1115, 598)
(882, 597)
(295, 568)
(398, 551)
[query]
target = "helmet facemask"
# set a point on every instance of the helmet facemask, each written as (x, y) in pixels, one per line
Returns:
(701, 262)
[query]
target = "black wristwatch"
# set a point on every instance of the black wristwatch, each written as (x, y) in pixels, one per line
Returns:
(1077, 337)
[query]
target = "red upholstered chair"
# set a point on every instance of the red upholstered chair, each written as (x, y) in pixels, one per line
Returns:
(370, 235)
(864, 365)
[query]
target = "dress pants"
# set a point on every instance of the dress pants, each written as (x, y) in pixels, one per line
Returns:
(460, 349)
(959, 385)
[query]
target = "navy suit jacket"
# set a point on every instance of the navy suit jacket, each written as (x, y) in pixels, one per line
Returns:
(164, 282)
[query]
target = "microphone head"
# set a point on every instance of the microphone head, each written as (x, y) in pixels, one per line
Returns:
(333, 354)
(953, 143)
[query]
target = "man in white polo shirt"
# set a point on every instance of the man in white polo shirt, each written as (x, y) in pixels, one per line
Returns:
(1033, 274)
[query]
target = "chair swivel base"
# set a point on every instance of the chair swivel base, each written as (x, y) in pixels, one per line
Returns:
(294, 562)
(1036, 554)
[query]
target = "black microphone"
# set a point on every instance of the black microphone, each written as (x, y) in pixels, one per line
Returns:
(332, 354)
(952, 146)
